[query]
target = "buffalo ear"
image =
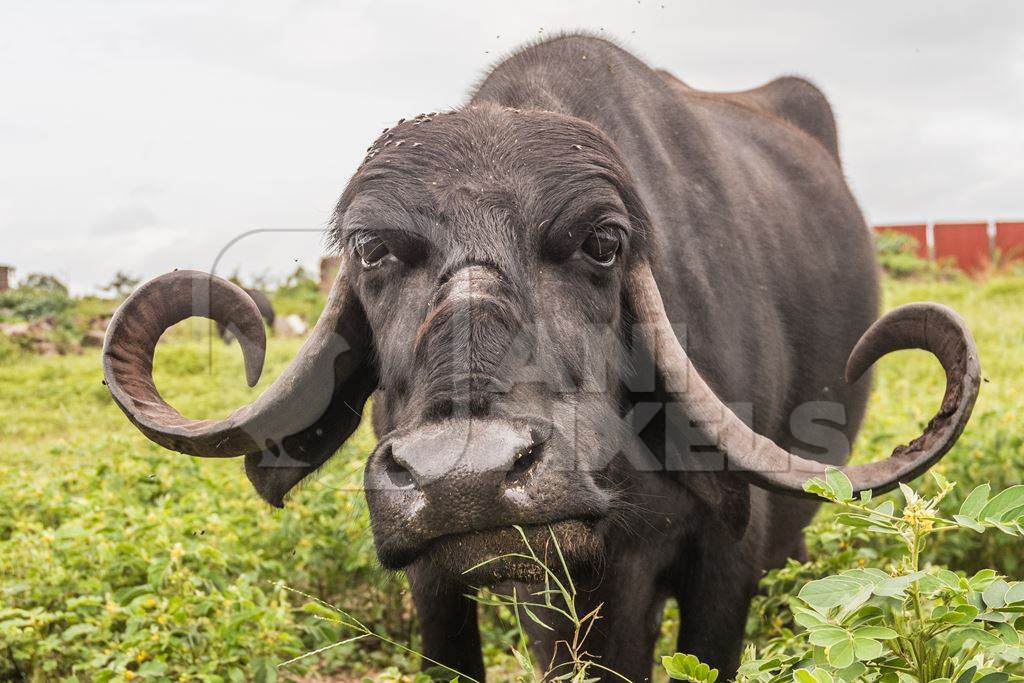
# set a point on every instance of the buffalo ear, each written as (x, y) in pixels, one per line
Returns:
(276, 471)
(291, 428)
(338, 378)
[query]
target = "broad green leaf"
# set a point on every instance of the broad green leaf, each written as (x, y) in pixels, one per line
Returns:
(682, 667)
(1015, 594)
(969, 522)
(1014, 514)
(827, 636)
(908, 493)
(855, 602)
(886, 508)
(875, 632)
(866, 649)
(982, 579)
(822, 676)
(854, 519)
(995, 595)
(759, 666)
(854, 672)
(805, 617)
(1002, 503)
(831, 591)
(804, 676)
(839, 483)
(1008, 634)
(978, 635)
(895, 586)
(961, 614)
(994, 617)
(841, 655)
(975, 501)
(1013, 529)
(818, 487)
(967, 675)
(948, 579)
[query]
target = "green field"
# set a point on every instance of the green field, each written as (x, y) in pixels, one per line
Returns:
(121, 560)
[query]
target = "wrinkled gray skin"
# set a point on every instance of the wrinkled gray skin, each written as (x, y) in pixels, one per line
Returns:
(762, 258)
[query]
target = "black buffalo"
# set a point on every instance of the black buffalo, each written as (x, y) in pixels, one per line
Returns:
(570, 297)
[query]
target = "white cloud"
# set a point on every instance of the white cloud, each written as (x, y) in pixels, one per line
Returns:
(144, 136)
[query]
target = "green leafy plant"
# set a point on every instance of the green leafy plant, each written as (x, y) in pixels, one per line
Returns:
(680, 667)
(299, 293)
(897, 253)
(556, 599)
(90, 514)
(911, 622)
(121, 285)
(39, 297)
(328, 612)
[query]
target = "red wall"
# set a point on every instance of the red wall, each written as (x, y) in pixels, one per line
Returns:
(1010, 239)
(918, 232)
(966, 243)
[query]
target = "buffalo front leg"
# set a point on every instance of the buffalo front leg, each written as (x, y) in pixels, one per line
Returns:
(714, 597)
(448, 622)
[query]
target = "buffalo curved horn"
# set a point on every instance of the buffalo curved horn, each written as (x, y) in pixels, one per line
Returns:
(294, 402)
(928, 326)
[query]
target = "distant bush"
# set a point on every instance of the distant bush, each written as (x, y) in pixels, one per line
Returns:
(897, 254)
(39, 297)
(121, 285)
(44, 281)
(299, 294)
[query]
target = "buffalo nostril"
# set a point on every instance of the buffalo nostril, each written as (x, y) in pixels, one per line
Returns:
(525, 461)
(399, 476)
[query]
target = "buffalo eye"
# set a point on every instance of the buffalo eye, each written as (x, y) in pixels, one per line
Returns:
(372, 250)
(602, 245)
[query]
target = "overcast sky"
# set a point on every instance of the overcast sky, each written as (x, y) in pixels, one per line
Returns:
(144, 136)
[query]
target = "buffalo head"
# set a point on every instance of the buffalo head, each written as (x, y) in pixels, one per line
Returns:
(496, 292)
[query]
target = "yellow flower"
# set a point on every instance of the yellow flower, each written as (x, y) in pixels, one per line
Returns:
(129, 674)
(177, 552)
(142, 656)
(162, 619)
(48, 538)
